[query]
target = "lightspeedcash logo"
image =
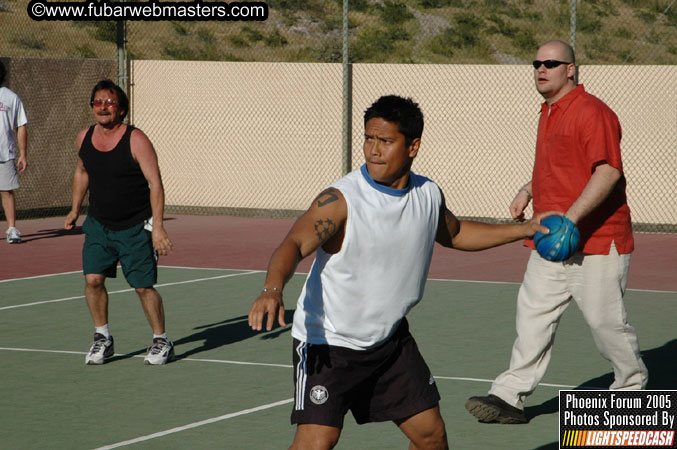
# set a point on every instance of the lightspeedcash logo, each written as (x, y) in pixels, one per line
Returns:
(617, 419)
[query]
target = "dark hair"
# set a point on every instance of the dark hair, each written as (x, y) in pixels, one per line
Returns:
(402, 111)
(108, 85)
(3, 72)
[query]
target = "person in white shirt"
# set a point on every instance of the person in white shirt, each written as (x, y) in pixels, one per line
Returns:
(374, 232)
(12, 118)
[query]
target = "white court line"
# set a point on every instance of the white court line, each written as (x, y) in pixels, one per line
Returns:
(80, 271)
(482, 380)
(220, 361)
(66, 352)
(515, 282)
(243, 363)
(196, 424)
(247, 363)
(41, 276)
(207, 268)
(304, 273)
(475, 281)
(239, 413)
(131, 289)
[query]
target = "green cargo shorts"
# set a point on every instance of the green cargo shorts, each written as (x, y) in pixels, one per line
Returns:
(132, 247)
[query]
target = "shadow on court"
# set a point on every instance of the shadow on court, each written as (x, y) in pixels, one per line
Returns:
(51, 233)
(661, 363)
(548, 407)
(215, 335)
(59, 232)
(550, 446)
(127, 355)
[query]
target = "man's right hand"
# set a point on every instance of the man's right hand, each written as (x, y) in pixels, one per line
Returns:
(69, 221)
(518, 205)
(269, 302)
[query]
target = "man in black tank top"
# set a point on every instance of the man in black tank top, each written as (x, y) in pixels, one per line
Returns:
(118, 165)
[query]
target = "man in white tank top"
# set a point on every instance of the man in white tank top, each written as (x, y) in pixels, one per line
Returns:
(374, 232)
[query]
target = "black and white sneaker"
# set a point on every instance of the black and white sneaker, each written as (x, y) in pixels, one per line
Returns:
(101, 348)
(161, 352)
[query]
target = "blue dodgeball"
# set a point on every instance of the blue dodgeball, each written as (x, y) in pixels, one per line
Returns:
(561, 242)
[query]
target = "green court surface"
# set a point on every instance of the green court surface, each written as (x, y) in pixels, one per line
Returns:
(231, 388)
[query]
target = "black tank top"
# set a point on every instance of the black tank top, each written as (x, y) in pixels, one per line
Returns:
(119, 196)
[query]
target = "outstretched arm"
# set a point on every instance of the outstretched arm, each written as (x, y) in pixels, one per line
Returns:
(323, 221)
(472, 236)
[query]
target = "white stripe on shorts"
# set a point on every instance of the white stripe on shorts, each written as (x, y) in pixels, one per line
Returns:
(301, 375)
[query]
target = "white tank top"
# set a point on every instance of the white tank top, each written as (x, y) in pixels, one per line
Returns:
(357, 297)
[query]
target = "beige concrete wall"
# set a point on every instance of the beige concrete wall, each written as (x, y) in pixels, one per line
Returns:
(259, 135)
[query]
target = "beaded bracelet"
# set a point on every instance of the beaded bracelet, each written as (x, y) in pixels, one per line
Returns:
(274, 289)
(526, 190)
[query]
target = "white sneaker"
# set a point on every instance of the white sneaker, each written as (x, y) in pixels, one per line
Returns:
(161, 352)
(13, 235)
(101, 348)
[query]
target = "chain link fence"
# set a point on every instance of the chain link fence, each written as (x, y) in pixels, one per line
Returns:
(55, 94)
(268, 136)
(404, 47)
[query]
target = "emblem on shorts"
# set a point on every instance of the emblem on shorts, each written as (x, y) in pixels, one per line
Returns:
(318, 394)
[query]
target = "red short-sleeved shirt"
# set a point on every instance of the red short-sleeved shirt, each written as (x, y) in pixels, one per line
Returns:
(577, 134)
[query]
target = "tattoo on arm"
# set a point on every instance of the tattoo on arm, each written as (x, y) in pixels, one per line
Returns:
(326, 197)
(325, 228)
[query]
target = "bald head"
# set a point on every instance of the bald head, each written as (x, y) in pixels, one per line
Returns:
(562, 49)
(557, 80)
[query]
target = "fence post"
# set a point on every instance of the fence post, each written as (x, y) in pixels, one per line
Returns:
(572, 33)
(347, 164)
(122, 55)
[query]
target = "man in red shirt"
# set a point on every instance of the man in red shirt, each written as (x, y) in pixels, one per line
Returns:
(578, 171)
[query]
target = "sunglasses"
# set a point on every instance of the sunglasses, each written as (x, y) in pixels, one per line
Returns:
(548, 63)
(99, 102)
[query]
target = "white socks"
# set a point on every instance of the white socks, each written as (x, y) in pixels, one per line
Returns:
(103, 330)
(106, 332)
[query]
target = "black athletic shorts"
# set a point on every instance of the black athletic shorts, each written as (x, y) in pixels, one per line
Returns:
(389, 382)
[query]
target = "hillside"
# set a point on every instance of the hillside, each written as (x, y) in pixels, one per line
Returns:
(384, 31)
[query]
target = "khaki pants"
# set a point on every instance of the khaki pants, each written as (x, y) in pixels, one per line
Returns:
(597, 284)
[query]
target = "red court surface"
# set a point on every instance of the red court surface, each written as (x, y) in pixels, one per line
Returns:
(228, 242)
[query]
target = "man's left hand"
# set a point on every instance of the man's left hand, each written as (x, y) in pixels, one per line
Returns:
(21, 164)
(161, 241)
